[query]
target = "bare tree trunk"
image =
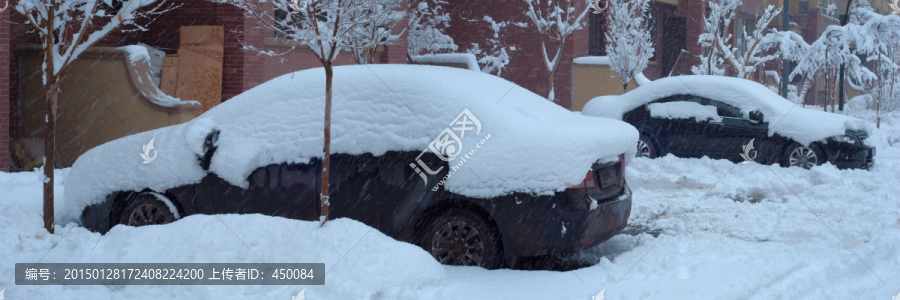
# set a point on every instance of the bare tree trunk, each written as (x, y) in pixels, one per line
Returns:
(50, 154)
(326, 151)
(552, 94)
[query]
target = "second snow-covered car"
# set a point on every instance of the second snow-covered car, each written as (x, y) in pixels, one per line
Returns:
(473, 168)
(735, 119)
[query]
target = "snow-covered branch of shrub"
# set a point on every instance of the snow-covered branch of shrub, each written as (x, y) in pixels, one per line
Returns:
(716, 36)
(556, 23)
(426, 24)
(67, 28)
(628, 41)
(496, 58)
(384, 16)
(878, 37)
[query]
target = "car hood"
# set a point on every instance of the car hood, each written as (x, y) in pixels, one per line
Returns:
(525, 142)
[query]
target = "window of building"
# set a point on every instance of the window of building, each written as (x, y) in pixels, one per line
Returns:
(745, 27)
(804, 6)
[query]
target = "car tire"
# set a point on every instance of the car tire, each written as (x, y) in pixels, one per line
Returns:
(148, 209)
(805, 157)
(646, 147)
(461, 237)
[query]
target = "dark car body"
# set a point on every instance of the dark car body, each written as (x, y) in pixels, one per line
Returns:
(385, 193)
(726, 139)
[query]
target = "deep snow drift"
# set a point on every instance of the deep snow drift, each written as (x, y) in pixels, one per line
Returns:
(705, 229)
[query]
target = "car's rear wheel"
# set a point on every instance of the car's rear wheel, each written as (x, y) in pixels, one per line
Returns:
(803, 156)
(646, 147)
(460, 237)
(148, 209)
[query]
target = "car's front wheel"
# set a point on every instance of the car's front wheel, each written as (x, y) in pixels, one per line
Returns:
(646, 147)
(148, 209)
(460, 237)
(803, 156)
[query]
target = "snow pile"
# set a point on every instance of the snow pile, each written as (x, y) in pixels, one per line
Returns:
(592, 60)
(136, 53)
(684, 110)
(535, 145)
(604, 61)
(784, 118)
(360, 261)
(467, 59)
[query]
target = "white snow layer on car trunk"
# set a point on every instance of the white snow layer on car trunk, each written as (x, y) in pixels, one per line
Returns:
(535, 145)
(803, 125)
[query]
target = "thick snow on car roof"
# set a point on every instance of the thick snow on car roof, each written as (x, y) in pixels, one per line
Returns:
(804, 125)
(535, 146)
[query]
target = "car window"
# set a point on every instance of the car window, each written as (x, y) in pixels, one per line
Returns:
(725, 110)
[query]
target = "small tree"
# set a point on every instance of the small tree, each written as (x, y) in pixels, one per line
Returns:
(66, 28)
(426, 25)
(383, 16)
(628, 41)
(716, 30)
(555, 23)
(326, 27)
(880, 41)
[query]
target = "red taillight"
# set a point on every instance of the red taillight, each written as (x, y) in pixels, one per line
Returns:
(587, 183)
(622, 165)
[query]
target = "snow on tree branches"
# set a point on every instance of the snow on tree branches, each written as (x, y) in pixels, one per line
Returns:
(757, 48)
(426, 25)
(556, 23)
(385, 16)
(495, 59)
(628, 41)
(66, 28)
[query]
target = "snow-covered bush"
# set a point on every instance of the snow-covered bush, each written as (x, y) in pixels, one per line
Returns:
(628, 41)
(426, 25)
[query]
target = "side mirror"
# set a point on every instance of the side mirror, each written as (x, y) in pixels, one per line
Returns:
(755, 117)
(210, 144)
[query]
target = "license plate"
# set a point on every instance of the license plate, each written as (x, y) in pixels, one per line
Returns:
(608, 177)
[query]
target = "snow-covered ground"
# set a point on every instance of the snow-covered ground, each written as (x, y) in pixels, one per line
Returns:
(703, 229)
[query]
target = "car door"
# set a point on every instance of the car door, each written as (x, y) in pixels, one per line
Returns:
(686, 137)
(286, 190)
(380, 191)
(736, 131)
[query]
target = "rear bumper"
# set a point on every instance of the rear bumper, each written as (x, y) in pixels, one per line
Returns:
(563, 231)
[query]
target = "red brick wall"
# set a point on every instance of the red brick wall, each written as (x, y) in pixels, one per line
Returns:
(5, 103)
(526, 67)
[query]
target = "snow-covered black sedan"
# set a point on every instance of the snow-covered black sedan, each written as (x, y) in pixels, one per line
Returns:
(475, 169)
(735, 119)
